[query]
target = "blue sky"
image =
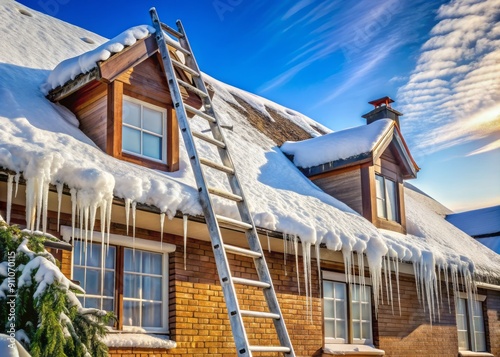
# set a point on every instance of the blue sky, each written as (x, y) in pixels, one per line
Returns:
(439, 60)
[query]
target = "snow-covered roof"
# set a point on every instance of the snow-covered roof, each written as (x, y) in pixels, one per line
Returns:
(477, 222)
(40, 139)
(339, 145)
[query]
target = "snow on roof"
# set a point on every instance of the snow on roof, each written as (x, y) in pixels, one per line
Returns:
(342, 144)
(477, 222)
(40, 140)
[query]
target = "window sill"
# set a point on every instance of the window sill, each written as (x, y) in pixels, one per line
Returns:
(351, 350)
(474, 354)
(138, 340)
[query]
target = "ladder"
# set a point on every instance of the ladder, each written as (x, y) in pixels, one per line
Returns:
(212, 219)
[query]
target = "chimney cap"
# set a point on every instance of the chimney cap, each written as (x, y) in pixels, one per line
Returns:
(384, 100)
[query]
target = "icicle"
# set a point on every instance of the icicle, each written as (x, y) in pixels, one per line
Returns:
(109, 206)
(39, 201)
(318, 263)
(128, 202)
(185, 225)
(396, 270)
(30, 203)
(284, 251)
(73, 212)
(162, 224)
(59, 187)
(93, 212)
(416, 270)
(306, 257)
(16, 178)
(296, 250)
(9, 196)
(268, 242)
(134, 211)
(45, 204)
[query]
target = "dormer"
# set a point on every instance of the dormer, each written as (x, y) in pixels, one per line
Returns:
(123, 103)
(364, 167)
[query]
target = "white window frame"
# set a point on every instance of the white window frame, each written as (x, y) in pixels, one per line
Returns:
(470, 327)
(341, 278)
(142, 130)
(140, 244)
(385, 199)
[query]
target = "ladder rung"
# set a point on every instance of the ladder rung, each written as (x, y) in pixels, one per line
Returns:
(225, 194)
(199, 113)
(191, 88)
(176, 45)
(242, 251)
(267, 315)
(214, 165)
(209, 139)
(269, 349)
(233, 222)
(256, 283)
(185, 68)
(171, 30)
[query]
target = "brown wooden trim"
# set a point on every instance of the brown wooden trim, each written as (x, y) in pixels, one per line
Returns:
(334, 172)
(172, 140)
(389, 225)
(129, 57)
(119, 268)
(368, 192)
(114, 125)
(138, 160)
(401, 203)
(129, 92)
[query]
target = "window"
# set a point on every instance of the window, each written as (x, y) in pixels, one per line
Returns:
(144, 283)
(143, 131)
(347, 310)
(470, 325)
(387, 198)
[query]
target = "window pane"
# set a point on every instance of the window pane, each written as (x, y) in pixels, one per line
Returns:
(463, 343)
(329, 329)
(463, 339)
(131, 140)
(151, 263)
(131, 313)
(391, 200)
(109, 257)
(356, 330)
(133, 260)
(109, 283)
(329, 310)
(108, 304)
(366, 312)
(151, 315)
(152, 146)
(355, 313)
(340, 309)
(366, 331)
(131, 286)
(340, 329)
(93, 282)
(78, 275)
(93, 303)
(339, 290)
(131, 113)
(151, 288)
(480, 342)
(379, 187)
(153, 121)
(328, 289)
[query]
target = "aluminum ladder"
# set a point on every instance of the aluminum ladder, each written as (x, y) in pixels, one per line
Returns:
(212, 219)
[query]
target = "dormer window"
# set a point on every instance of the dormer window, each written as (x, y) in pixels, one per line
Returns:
(387, 198)
(144, 130)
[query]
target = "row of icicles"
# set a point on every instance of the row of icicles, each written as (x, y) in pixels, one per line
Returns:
(84, 209)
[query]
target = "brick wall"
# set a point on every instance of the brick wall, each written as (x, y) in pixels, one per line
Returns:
(492, 320)
(411, 333)
(199, 324)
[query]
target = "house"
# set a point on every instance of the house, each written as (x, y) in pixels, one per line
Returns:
(361, 263)
(482, 224)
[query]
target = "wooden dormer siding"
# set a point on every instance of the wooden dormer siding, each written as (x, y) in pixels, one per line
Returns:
(135, 72)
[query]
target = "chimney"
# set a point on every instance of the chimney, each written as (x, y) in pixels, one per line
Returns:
(382, 110)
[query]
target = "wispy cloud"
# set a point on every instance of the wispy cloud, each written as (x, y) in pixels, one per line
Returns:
(453, 93)
(486, 148)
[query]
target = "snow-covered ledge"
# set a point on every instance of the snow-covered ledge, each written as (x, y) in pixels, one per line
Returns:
(126, 241)
(351, 350)
(138, 340)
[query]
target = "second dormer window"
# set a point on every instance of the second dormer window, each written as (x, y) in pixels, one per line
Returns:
(387, 198)
(144, 129)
